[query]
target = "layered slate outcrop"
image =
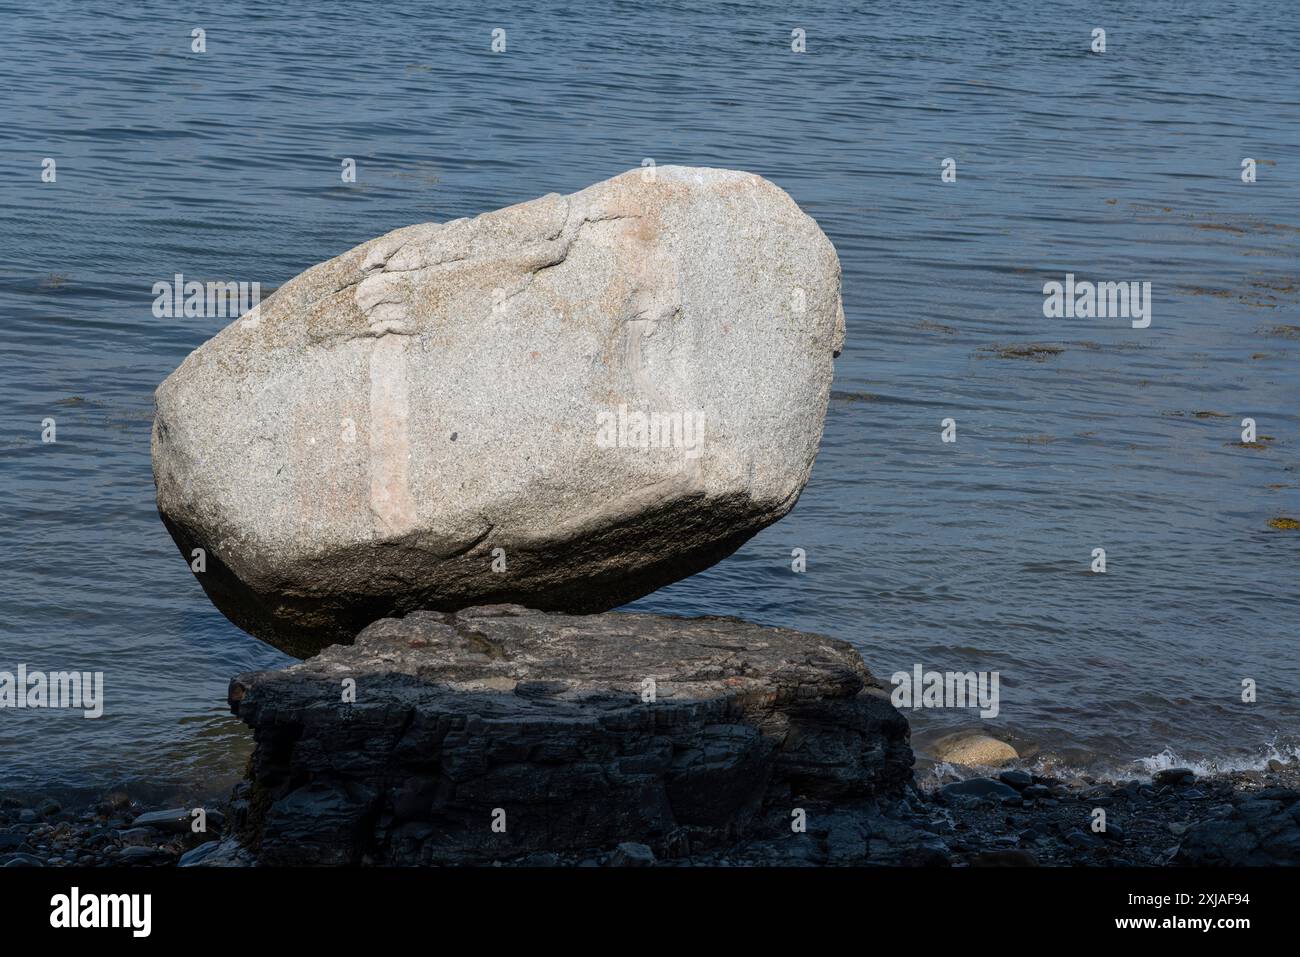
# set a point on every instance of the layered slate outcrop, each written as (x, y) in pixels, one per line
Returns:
(498, 732)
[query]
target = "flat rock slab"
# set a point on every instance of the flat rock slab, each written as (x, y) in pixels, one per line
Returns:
(500, 731)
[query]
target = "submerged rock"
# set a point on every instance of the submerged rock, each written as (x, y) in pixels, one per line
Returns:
(500, 732)
(974, 750)
(977, 788)
(567, 403)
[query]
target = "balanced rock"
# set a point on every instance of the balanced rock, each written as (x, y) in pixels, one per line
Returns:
(567, 403)
(496, 733)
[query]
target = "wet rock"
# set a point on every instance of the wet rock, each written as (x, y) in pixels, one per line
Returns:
(631, 854)
(1036, 351)
(1173, 777)
(1284, 795)
(226, 853)
(846, 841)
(1257, 809)
(138, 836)
(929, 854)
(172, 821)
(499, 732)
(1081, 840)
(95, 838)
(978, 788)
(145, 856)
(902, 843)
(1016, 779)
(373, 437)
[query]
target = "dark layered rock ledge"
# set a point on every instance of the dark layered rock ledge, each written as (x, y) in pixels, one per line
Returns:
(499, 732)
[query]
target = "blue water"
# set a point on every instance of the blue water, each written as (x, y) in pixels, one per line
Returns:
(1122, 166)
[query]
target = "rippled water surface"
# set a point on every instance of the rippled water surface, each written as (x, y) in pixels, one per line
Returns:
(974, 555)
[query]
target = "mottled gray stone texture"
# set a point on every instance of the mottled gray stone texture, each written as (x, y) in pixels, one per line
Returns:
(362, 442)
(548, 717)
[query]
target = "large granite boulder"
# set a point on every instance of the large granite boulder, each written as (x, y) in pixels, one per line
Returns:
(498, 732)
(566, 403)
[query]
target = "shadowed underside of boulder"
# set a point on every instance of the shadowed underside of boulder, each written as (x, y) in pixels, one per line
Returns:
(566, 403)
(500, 731)
(578, 574)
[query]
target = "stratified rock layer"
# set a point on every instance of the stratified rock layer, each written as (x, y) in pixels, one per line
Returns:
(1262, 830)
(567, 403)
(499, 731)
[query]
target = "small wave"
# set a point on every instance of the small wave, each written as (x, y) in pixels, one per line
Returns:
(1046, 764)
(1169, 758)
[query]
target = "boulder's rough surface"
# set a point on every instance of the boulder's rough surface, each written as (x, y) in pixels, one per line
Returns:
(565, 732)
(614, 388)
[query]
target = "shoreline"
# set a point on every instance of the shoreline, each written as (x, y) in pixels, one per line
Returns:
(1011, 818)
